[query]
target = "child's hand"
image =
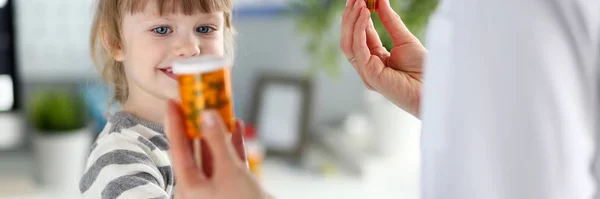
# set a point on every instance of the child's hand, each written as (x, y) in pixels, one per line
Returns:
(395, 74)
(227, 176)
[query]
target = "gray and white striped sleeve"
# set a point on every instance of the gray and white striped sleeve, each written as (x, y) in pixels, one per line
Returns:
(120, 167)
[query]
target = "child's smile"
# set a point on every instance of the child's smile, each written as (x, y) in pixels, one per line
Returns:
(169, 72)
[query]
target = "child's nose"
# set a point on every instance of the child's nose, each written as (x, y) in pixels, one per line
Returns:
(187, 49)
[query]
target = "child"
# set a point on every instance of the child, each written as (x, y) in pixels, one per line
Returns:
(136, 41)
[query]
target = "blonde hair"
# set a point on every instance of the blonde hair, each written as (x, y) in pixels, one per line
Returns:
(106, 33)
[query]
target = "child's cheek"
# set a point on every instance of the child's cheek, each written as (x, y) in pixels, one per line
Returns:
(144, 48)
(213, 48)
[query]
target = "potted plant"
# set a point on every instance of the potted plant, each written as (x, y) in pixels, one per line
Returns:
(61, 139)
(395, 131)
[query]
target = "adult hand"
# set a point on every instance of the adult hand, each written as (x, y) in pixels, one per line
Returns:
(226, 177)
(395, 74)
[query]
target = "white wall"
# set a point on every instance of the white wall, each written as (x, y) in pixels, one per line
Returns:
(272, 45)
(52, 39)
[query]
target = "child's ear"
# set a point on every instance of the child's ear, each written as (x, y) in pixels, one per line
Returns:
(112, 46)
(118, 54)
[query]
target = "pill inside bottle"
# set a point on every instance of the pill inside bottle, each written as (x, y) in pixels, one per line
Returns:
(372, 5)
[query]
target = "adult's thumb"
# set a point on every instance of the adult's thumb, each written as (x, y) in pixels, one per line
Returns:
(216, 137)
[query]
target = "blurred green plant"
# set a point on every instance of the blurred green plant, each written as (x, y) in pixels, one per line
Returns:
(315, 19)
(57, 111)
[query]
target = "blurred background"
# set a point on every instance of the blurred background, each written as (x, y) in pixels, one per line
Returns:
(314, 130)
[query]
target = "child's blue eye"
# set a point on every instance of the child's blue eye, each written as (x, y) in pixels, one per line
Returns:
(204, 29)
(163, 30)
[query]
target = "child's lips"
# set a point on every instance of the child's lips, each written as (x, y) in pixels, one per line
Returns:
(168, 72)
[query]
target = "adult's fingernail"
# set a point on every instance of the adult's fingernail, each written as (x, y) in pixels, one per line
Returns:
(357, 3)
(209, 119)
(347, 3)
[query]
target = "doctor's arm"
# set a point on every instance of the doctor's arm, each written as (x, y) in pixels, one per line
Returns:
(510, 101)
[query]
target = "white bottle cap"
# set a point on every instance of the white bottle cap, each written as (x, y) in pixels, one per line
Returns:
(199, 64)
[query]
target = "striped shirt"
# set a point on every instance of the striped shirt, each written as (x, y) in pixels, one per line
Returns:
(129, 159)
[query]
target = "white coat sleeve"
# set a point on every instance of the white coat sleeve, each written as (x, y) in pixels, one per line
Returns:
(510, 100)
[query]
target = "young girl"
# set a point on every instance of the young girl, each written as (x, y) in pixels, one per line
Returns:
(136, 41)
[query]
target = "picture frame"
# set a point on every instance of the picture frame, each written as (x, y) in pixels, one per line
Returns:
(281, 111)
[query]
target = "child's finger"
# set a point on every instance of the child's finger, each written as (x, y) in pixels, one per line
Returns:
(181, 151)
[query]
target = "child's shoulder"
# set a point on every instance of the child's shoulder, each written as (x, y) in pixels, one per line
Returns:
(127, 145)
(123, 122)
(124, 128)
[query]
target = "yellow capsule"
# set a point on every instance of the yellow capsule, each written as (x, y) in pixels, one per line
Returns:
(372, 5)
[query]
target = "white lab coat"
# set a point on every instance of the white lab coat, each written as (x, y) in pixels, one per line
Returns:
(511, 100)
